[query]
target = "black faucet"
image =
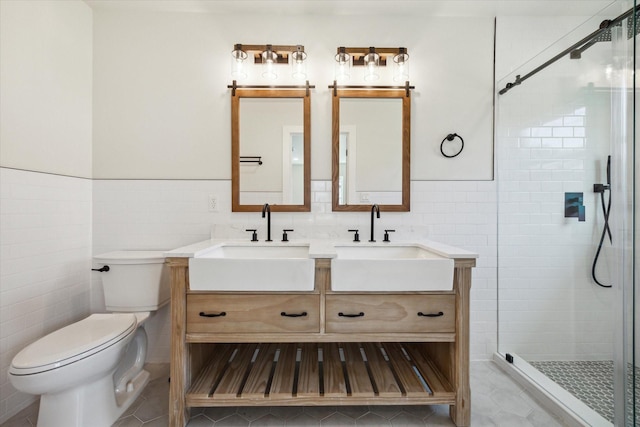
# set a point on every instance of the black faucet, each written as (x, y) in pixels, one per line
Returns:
(374, 208)
(267, 209)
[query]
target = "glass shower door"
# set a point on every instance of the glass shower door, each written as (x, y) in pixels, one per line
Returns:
(554, 136)
(625, 219)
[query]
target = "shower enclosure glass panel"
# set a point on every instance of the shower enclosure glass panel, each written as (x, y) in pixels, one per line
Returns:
(554, 135)
(623, 220)
(633, 234)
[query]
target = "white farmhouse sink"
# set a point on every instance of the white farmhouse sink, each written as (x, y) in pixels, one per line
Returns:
(252, 267)
(390, 268)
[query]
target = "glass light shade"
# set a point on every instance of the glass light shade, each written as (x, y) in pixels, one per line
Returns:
(371, 63)
(401, 66)
(298, 64)
(342, 68)
(269, 58)
(238, 66)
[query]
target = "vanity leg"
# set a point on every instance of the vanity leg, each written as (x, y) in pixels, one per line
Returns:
(178, 412)
(461, 412)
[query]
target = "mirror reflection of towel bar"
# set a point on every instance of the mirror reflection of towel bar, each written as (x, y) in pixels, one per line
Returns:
(251, 159)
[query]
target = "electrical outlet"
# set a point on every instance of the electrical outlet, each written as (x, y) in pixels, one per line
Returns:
(213, 203)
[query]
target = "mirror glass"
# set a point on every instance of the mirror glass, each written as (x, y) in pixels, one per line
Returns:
(270, 150)
(371, 150)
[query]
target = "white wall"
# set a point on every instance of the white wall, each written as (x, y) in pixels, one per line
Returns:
(162, 115)
(162, 112)
(159, 214)
(45, 75)
(45, 217)
(162, 107)
(261, 134)
(376, 143)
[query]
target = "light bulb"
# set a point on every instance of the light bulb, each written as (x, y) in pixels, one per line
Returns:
(342, 68)
(298, 64)
(371, 62)
(238, 68)
(401, 66)
(269, 58)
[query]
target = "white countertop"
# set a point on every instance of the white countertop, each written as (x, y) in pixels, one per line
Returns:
(319, 248)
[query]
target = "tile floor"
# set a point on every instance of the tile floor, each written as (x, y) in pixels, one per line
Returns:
(591, 381)
(496, 400)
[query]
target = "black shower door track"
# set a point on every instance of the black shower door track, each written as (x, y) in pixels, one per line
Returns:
(604, 26)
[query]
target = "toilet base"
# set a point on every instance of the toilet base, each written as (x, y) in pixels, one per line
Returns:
(93, 404)
(126, 397)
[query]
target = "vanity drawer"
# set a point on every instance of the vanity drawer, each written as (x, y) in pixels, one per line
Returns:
(252, 313)
(390, 313)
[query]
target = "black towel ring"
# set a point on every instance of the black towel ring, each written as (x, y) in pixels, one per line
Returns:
(451, 137)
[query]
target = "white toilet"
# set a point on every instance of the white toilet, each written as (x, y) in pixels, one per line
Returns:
(89, 373)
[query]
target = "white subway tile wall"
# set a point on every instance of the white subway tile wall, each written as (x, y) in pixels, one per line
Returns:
(52, 226)
(45, 223)
(164, 214)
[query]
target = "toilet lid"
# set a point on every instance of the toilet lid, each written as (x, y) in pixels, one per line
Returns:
(73, 342)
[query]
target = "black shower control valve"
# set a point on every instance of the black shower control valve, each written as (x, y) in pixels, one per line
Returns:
(600, 188)
(101, 269)
(356, 237)
(254, 234)
(386, 235)
(285, 238)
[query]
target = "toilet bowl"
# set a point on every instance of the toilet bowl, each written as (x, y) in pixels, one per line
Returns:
(88, 373)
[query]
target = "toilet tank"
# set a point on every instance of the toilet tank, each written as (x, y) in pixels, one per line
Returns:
(136, 280)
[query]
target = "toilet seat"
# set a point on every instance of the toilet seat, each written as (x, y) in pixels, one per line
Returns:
(74, 342)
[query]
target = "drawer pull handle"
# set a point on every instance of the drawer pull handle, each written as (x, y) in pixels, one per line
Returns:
(438, 314)
(361, 314)
(285, 314)
(222, 314)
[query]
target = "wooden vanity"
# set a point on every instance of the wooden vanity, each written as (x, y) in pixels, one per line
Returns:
(319, 347)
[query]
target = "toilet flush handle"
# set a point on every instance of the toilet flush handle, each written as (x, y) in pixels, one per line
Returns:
(104, 268)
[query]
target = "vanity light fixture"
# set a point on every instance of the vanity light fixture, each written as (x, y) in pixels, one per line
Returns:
(371, 59)
(268, 56)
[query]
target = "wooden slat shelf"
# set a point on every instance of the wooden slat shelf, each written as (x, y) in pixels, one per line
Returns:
(319, 374)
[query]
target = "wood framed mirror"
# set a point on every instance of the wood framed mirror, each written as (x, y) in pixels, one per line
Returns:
(371, 149)
(271, 150)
